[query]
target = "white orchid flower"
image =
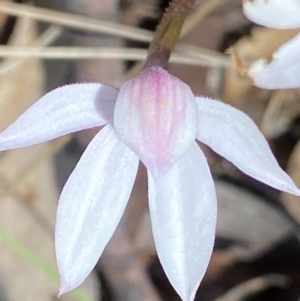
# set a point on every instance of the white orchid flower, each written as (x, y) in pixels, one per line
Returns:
(282, 14)
(154, 118)
(283, 71)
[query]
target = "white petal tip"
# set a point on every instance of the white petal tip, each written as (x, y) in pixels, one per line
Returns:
(286, 184)
(64, 288)
(293, 190)
(190, 296)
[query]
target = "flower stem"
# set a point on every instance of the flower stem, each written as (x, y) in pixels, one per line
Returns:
(168, 32)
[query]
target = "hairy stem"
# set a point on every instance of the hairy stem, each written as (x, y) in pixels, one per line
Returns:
(168, 32)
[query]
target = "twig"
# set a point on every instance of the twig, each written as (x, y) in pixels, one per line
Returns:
(121, 30)
(76, 21)
(48, 37)
(95, 69)
(136, 11)
(216, 58)
(71, 53)
(253, 286)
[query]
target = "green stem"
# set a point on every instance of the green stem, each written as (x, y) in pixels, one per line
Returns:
(37, 262)
(168, 32)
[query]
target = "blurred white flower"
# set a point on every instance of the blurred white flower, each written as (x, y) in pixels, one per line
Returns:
(155, 118)
(282, 14)
(283, 71)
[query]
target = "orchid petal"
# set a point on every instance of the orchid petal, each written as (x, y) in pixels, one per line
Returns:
(91, 205)
(283, 70)
(156, 116)
(183, 212)
(64, 110)
(282, 14)
(233, 135)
